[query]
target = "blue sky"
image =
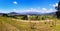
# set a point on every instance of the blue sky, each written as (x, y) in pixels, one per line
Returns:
(43, 6)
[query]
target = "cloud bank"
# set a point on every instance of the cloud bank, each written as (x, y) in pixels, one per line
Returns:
(42, 10)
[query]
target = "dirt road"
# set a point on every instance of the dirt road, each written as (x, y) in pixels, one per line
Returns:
(32, 20)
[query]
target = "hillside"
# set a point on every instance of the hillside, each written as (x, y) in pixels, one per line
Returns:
(10, 24)
(7, 27)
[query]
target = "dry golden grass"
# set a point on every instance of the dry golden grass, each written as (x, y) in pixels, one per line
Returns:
(7, 24)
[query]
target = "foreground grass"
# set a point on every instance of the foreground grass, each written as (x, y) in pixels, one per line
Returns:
(7, 24)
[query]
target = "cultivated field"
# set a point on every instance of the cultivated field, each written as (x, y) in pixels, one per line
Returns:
(11, 24)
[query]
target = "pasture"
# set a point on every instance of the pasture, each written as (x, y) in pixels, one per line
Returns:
(11, 24)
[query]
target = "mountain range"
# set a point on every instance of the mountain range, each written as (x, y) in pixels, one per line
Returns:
(29, 13)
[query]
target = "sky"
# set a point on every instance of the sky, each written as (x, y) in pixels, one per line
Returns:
(43, 6)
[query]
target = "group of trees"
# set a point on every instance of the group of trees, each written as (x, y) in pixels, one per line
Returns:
(22, 17)
(40, 17)
(58, 10)
(32, 17)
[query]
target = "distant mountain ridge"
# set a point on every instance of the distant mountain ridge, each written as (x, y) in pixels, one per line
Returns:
(28, 13)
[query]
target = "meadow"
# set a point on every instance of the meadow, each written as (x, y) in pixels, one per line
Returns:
(12, 24)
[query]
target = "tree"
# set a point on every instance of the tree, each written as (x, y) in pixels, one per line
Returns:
(58, 8)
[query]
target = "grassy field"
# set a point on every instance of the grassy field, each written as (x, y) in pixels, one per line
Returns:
(7, 24)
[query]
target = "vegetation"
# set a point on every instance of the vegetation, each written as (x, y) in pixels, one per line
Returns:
(11, 24)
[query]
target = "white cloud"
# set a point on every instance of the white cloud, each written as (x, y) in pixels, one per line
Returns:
(48, 10)
(3, 11)
(54, 5)
(45, 10)
(15, 2)
(14, 9)
(42, 10)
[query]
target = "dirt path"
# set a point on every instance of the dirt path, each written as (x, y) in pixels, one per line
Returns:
(32, 20)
